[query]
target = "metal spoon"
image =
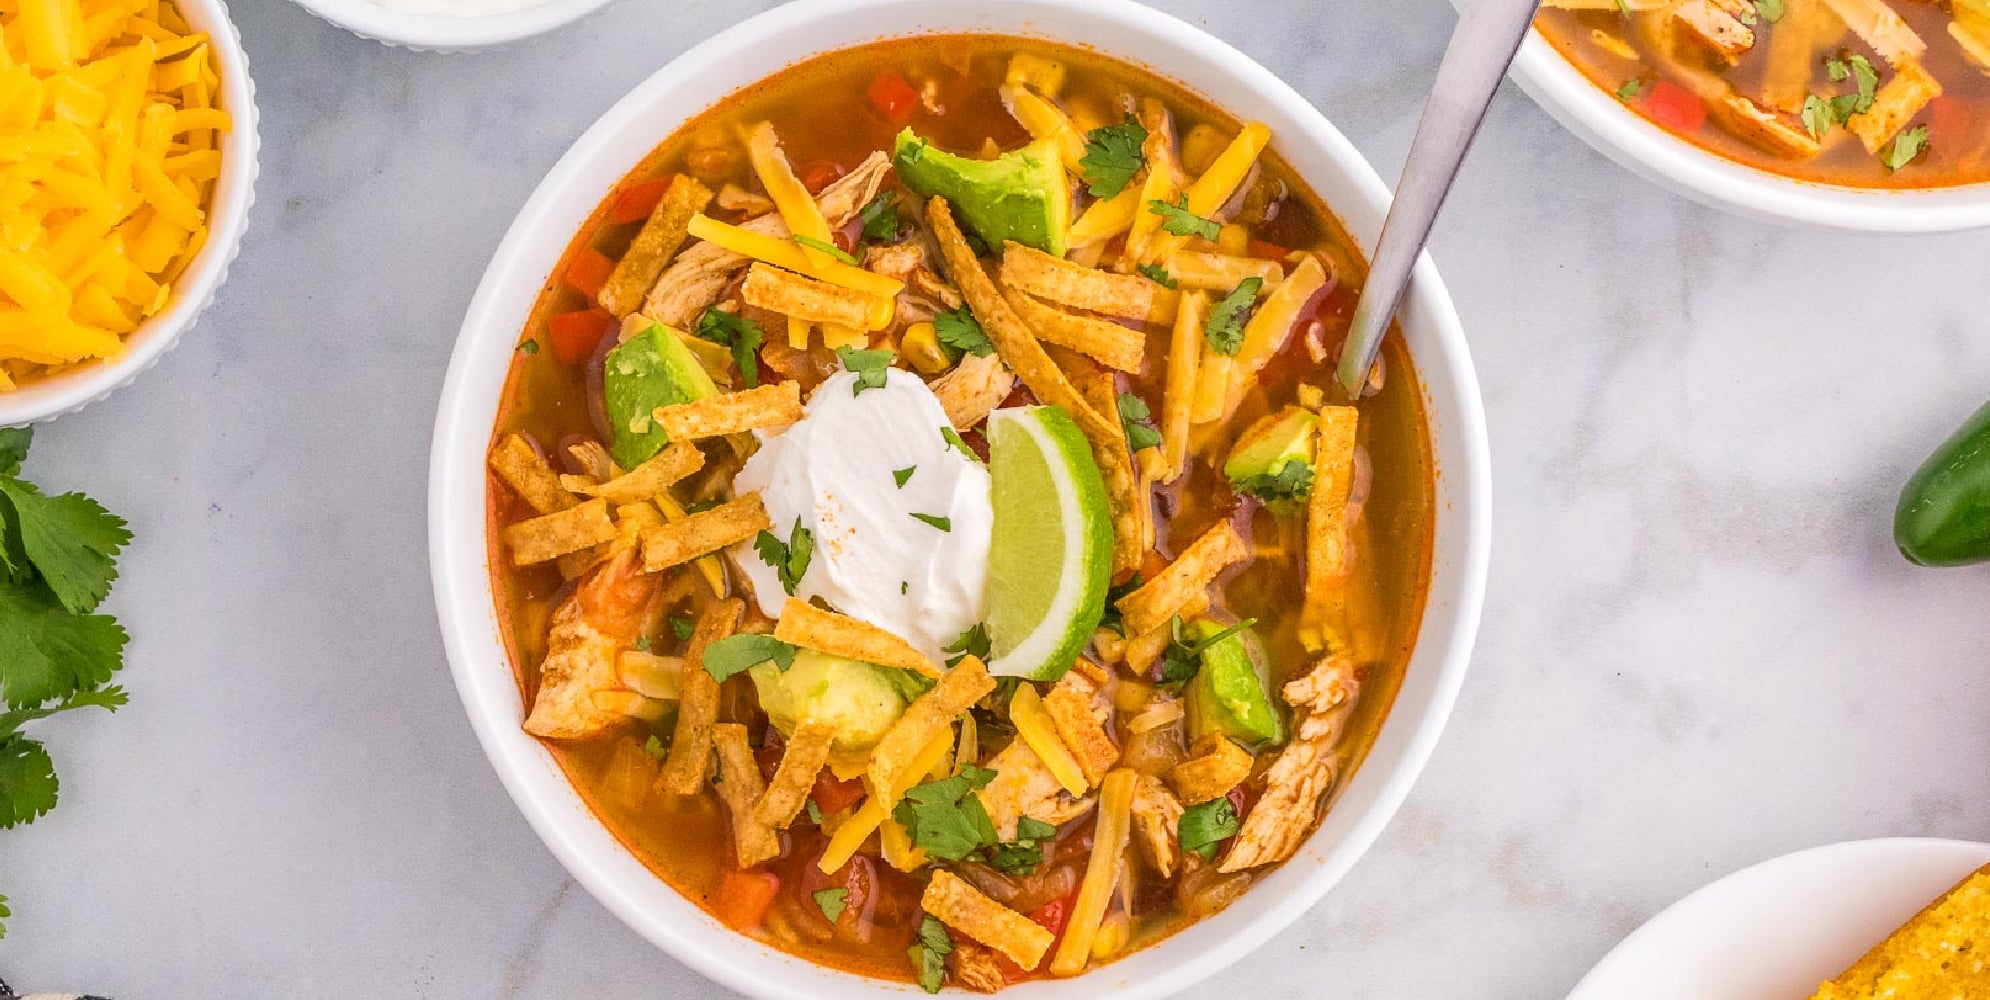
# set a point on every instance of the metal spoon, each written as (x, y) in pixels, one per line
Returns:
(1488, 34)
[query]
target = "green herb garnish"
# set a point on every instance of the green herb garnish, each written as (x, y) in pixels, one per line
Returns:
(1771, 10)
(1183, 657)
(1631, 88)
(1817, 115)
(1158, 275)
(531, 346)
(741, 335)
(1205, 825)
(1293, 481)
(959, 333)
(1225, 327)
(1113, 155)
(735, 653)
(1133, 417)
(1177, 219)
(956, 442)
(946, 818)
(1905, 147)
(831, 902)
(880, 218)
(790, 560)
(903, 476)
(870, 367)
(929, 956)
(1112, 618)
(655, 747)
(973, 642)
(681, 627)
(937, 521)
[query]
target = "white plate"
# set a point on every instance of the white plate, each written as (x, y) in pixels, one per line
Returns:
(1779, 929)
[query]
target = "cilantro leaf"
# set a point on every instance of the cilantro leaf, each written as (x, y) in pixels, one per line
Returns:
(936, 520)
(681, 627)
(14, 442)
(4, 914)
(1631, 88)
(826, 247)
(1225, 327)
(654, 747)
(1864, 77)
(71, 539)
(735, 653)
(973, 642)
(832, 902)
(530, 346)
(959, 333)
(740, 334)
(946, 818)
(1112, 618)
(814, 812)
(929, 956)
(1182, 659)
(870, 367)
(1293, 481)
(954, 440)
(790, 559)
(903, 476)
(1177, 219)
(1133, 417)
(1113, 155)
(880, 218)
(27, 782)
(109, 698)
(1905, 147)
(1158, 275)
(1206, 825)
(1022, 855)
(48, 653)
(1817, 116)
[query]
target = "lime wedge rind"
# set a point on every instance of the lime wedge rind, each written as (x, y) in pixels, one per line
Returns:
(1050, 562)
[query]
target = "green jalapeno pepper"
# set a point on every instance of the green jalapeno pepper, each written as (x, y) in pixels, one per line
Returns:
(1944, 513)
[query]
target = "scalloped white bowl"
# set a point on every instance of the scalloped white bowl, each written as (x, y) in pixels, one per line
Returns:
(438, 32)
(744, 55)
(228, 218)
(1623, 135)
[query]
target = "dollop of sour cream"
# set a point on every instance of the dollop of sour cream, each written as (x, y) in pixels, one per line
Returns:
(837, 471)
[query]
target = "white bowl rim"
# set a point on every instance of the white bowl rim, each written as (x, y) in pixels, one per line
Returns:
(228, 219)
(1623, 135)
(450, 32)
(483, 672)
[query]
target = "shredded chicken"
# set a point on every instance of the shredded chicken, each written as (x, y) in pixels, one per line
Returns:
(926, 294)
(1772, 131)
(1719, 26)
(973, 389)
(1157, 817)
(1303, 772)
(702, 271)
(1023, 786)
(975, 966)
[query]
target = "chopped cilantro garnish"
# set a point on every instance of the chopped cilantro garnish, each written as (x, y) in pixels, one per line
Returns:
(643, 643)
(1177, 219)
(973, 642)
(1133, 416)
(790, 560)
(937, 521)
(740, 334)
(735, 653)
(929, 956)
(681, 627)
(1112, 156)
(1905, 147)
(903, 476)
(1631, 88)
(1864, 77)
(953, 439)
(1207, 824)
(831, 902)
(814, 813)
(1817, 115)
(1293, 481)
(880, 218)
(1112, 619)
(870, 367)
(1225, 327)
(1183, 657)
(904, 588)
(1624, 7)
(1159, 275)
(959, 333)
(826, 247)
(531, 346)
(946, 818)
(655, 747)
(1022, 855)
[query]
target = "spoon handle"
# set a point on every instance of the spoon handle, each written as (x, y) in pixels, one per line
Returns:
(1489, 32)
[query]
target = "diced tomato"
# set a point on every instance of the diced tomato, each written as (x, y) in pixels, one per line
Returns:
(833, 796)
(818, 174)
(576, 334)
(635, 202)
(1674, 107)
(744, 898)
(1051, 916)
(588, 271)
(1267, 251)
(1948, 116)
(893, 97)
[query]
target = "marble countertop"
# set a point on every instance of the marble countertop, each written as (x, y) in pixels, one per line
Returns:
(1700, 649)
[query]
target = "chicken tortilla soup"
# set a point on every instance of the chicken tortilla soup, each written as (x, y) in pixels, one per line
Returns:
(928, 531)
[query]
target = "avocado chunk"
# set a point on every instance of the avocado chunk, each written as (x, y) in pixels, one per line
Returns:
(1022, 195)
(1273, 458)
(651, 369)
(860, 699)
(1231, 694)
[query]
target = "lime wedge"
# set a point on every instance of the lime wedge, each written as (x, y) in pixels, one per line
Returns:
(1050, 557)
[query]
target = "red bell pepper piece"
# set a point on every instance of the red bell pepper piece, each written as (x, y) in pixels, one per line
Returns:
(635, 202)
(744, 898)
(576, 334)
(588, 271)
(1675, 108)
(893, 97)
(833, 796)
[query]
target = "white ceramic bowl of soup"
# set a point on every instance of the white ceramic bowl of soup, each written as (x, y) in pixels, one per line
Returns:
(451, 25)
(227, 219)
(459, 555)
(1617, 131)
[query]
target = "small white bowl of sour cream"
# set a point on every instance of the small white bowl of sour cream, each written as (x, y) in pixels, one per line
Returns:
(451, 25)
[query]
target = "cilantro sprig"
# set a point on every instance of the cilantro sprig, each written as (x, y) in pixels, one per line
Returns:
(1205, 825)
(790, 559)
(959, 333)
(739, 334)
(735, 653)
(929, 956)
(1293, 481)
(1177, 219)
(1225, 327)
(1113, 155)
(58, 559)
(1182, 659)
(869, 366)
(1134, 417)
(880, 218)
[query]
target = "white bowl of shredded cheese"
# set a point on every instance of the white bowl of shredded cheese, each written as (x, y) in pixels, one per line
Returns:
(221, 164)
(450, 25)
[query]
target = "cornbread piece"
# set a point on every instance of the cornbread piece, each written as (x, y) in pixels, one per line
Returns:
(1943, 953)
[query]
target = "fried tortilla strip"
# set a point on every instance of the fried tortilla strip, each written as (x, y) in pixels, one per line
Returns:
(661, 237)
(1055, 279)
(1216, 272)
(1013, 340)
(1882, 28)
(703, 533)
(662, 471)
(1079, 712)
(807, 299)
(1128, 496)
(691, 740)
(1327, 527)
(1178, 395)
(740, 785)
(973, 389)
(962, 907)
(1190, 574)
(1146, 647)
(1157, 819)
(526, 472)
(1216, 766)
(930, 715)
(801, 761)
(776, 404)
(550, 536)
(1304, 771)
(1109, 343)
(805, 625)
(1766, 128)
(1898, 101)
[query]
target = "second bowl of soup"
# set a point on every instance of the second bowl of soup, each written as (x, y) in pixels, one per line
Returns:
(895, 520)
